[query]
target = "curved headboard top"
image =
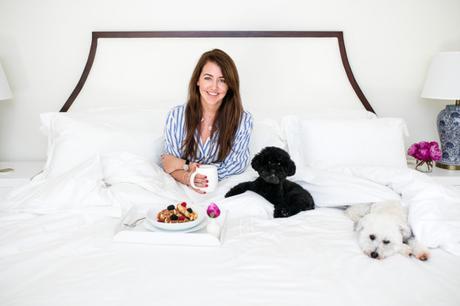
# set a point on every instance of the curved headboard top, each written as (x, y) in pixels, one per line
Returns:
(281, 72)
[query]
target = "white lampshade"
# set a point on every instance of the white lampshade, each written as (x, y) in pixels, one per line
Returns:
(443, 78)
(5, 91)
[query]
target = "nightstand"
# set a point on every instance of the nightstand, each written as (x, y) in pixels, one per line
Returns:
(442, 176)
(23, 172)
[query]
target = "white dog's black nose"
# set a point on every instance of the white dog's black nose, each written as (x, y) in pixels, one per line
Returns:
(374, 254)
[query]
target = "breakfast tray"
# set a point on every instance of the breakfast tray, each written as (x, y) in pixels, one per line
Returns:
(145, 234)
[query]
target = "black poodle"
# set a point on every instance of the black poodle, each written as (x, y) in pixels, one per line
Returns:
(274, 165)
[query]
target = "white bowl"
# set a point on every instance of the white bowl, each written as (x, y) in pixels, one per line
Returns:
(152, 219)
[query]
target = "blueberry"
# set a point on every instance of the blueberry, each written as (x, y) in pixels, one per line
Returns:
(171, 207)
(174, 217)
(189, 210)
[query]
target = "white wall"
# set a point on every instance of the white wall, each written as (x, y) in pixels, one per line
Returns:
(44, 46)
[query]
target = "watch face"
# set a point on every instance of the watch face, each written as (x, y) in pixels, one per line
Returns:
(185, 167)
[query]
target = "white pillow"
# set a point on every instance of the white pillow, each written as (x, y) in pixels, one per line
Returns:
(73, 138)
(327, 144)
(265, 133)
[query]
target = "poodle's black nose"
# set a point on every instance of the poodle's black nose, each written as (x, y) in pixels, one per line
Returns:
(374, 254)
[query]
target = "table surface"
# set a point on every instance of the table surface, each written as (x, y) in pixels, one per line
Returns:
(448, 177)
(22, 171)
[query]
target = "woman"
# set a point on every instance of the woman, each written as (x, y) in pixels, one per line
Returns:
(212, 128)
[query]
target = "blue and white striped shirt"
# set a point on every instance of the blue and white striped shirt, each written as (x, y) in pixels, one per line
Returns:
(236, 161)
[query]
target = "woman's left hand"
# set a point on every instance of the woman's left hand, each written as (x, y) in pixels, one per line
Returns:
(200, 180)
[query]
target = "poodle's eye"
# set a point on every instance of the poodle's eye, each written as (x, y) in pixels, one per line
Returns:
(386, 241)
(372, 237)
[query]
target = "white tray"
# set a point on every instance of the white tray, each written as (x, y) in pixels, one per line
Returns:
(140, 234)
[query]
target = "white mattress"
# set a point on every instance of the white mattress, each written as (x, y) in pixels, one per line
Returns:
(309, 259)
(63, 253)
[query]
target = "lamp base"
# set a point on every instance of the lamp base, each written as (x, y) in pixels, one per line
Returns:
(449, 135)
(448, 167)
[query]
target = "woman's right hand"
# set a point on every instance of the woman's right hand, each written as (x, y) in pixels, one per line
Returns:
(200, 180)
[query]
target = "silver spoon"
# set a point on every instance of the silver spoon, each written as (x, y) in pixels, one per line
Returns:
(134, 223)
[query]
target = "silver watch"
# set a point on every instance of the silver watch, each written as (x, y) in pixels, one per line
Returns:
(185, 167)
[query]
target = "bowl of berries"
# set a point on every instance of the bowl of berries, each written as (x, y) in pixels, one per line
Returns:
(177, 217)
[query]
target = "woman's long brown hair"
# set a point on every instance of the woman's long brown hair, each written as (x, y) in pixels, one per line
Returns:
(229, 113)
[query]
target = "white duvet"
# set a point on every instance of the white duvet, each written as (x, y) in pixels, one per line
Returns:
(56, 247)
(112, 184)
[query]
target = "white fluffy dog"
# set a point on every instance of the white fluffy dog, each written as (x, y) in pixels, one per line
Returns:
(383, 230)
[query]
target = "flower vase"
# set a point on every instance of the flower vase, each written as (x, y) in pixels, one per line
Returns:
(213, 227)
(424, 166)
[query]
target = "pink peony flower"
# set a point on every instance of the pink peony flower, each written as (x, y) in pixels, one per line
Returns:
(424, 145)
(412, 149)
(435, 152)
(425, 151)
(423, 154)
(213, 210)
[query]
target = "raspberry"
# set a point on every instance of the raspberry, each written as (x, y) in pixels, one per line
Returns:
(171, 207)
(183, 204)
(181, 218)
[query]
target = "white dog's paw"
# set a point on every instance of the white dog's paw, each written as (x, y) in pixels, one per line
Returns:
(418, 250)
(422, 255)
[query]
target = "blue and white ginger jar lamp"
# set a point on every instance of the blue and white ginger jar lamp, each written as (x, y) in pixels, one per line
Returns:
(443, 83)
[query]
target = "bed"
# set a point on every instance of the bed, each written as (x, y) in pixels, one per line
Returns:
(56, 237)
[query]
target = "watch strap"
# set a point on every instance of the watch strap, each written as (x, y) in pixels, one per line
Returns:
(186, 165)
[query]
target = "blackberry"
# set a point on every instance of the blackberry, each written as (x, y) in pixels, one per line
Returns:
(174, 217)
(189, 210)
(171, 207)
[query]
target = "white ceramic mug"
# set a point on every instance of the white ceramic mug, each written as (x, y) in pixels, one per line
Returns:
(210, 171)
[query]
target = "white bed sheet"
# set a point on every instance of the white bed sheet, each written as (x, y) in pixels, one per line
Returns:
(309, 259)
(67, 257)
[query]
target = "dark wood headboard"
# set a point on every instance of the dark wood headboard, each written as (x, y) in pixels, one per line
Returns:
(217, 34)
